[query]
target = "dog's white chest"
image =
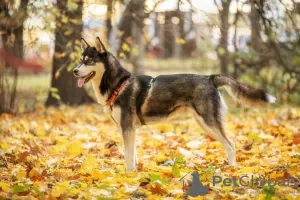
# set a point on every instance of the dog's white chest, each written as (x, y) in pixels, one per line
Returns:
(116, 114)
(101, 99)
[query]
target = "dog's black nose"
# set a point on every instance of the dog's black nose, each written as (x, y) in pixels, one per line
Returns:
(75, 71)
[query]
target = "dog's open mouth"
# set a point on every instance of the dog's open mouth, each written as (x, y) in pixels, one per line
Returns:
(85, 79)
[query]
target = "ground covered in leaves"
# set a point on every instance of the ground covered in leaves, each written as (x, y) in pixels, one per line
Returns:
(76, 153)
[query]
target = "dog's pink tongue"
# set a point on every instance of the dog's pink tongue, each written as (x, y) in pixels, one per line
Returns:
(80, 82)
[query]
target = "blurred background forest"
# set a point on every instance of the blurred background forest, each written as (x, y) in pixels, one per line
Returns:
(254, 41)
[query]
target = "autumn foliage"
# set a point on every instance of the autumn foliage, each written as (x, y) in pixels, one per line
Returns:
(76, 153)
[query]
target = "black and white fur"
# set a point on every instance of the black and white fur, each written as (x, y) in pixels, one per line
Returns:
(165, 95)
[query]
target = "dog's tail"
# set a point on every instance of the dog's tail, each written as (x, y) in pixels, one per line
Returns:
(241, 92)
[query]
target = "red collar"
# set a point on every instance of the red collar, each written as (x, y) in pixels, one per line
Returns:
(114, 95)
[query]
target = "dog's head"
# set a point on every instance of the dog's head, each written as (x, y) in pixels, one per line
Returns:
(92, 62)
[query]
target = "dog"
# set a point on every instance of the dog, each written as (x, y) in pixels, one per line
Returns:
(132, 101)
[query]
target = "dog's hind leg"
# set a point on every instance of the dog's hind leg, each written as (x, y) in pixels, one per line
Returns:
(210, 119)
(217, 132)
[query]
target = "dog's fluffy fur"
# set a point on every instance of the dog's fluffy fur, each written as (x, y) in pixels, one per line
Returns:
(144, 99)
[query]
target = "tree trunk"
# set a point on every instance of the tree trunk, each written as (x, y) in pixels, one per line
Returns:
(180, 26)
(256, 42)
(12, 39)
(131, 26)
(169, 35)
(68, 30)
(224, 27)
(137, 36)
(236, 50)
(125, 26)
(255, 26)
(109, 4)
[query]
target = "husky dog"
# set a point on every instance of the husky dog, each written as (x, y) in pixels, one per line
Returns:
(132, 101)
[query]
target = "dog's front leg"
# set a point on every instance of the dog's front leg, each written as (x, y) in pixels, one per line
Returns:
(129, 149)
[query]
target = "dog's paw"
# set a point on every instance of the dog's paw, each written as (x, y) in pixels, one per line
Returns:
(131, 169)
(233, 165)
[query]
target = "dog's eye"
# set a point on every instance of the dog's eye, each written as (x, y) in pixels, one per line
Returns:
(87, 61)
(90, 61)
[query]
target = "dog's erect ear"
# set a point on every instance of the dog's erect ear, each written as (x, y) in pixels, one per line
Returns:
(99, 46)
(84, 44)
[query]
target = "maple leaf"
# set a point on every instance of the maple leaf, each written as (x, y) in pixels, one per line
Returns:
(60, 188)
(90, 163)
(5, 186)
(75, 149)
(156, 188)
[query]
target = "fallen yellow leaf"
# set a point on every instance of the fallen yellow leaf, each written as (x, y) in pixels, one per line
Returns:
(75, 149)
(60, 188)
(4, 186)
